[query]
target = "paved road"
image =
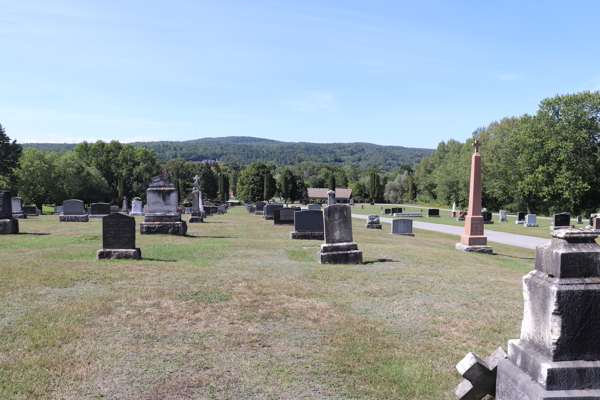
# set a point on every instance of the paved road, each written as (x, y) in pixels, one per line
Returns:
(513, 239)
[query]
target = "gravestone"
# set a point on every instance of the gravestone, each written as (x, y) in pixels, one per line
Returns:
(308, 225)
(269, 208)
(114, 209)
(373, 222)
(251, 209)
(338, 247)
(520, 218)
(17, 208)
(220, 210)
(118, 238)
(362, 206)
(145, 209)
(408, 214)
(480, 375)
(396, 210)
(260, 208)
(558, 353)
(314, 206)
(387, 211)
(162, 216)
(503, 216)
(125, 207)
(8, 224)
(453, 210)
(433, 212)
(595, 223)
(473, 238)
(100, 210)
(137, 208)
(197, 203)
(530, 221)
(73, 211)
(462, 215)
(59, 209)
(284, 216)
(561, 221)
(579, 219)
(487, 217)
(30, 210)
(331, 198)
(402, 227)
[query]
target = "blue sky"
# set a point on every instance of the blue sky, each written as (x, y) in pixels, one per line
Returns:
(388, 72)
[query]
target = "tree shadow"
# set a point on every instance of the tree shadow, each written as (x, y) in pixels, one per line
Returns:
(33, 234)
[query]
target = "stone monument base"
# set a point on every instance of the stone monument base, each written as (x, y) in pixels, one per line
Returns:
(9, 226)
(307, 235)
(97, 215)
(118, 254)
(476, 249)
(163, 228)
(503, 220)
(136, 214)
(74, 218)
(519, 222)
(19, 215)
(196, 217)
(460, 219)
(268, 216)
(530, 225)
(258, 212)
(373, 226)
(340, 253)
(402, 234)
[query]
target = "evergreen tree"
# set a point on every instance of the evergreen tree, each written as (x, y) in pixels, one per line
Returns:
(331, 185)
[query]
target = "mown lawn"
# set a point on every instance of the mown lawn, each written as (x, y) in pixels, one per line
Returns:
(237, 310)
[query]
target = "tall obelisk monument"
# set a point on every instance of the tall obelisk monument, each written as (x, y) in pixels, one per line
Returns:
(473, 238)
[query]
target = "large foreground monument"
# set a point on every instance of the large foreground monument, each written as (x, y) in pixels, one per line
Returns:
(473, 238)
(162, 216)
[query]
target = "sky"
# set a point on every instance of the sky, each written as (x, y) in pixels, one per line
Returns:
(403, 73)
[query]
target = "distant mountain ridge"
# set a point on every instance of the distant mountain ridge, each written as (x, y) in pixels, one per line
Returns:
(245, 150)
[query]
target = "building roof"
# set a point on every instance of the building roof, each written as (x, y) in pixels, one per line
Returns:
(321, 193)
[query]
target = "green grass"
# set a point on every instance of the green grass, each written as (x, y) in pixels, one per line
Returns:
(238, 310)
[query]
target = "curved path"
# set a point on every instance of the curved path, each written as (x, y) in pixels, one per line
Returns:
(513, 239)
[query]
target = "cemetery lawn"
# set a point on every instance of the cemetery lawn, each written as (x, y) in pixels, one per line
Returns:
(543, 230)
(237, 310)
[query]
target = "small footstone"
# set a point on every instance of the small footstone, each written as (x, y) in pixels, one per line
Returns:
(118, 254)
(480, 375)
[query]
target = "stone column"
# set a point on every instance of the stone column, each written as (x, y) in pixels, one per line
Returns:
(473, 239)
(331, 197)
(558, 354)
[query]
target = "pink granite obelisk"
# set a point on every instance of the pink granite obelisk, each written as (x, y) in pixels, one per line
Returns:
(473, 238)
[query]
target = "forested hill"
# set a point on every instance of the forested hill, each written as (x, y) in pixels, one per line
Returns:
(244, 150)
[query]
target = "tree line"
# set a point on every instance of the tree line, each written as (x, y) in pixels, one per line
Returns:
(544, 163)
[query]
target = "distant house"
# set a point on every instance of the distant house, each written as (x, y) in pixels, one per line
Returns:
(341, 195)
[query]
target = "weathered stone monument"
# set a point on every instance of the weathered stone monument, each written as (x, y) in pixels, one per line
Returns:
(114, 209)
(125, 208)
(100, 210)
(579, 220)
(520, 218)
(8, 224)
(503, 216)
(373, 222)
(338, 247)
(269, 209)
(118, 238)
(308, 225)
(557, 356)
(162, 216)
(473, 239)
(17, 208)
(137, 207)
(197, 202)
(480, 375)
(402, 227)
(314, 206)
(331, 197)
(73, 211)
(433, 212)
(453, 210)
(530, 221)
(462, 215)
(284, 216)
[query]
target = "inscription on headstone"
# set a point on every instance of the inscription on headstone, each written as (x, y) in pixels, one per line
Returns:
(118, 231)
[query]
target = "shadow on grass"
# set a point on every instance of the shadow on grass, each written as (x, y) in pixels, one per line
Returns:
(380, 260)
(520, 258)
(209, 237)
(33, 234)
(156, 259)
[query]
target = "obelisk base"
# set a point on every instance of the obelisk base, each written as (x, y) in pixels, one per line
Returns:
(475, 249)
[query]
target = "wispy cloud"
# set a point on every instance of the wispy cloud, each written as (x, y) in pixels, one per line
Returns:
(312, 101)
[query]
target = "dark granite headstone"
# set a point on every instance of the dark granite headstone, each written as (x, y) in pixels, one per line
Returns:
(260, 205)
(114, 209)
(118, 231)
(284, 216)
(562, 219)
(100, 209)
(396, 210)
(387, 211)
(308, 221)
(521, 216)
(268, 210)
(338, 224)
(433, 212)
(73, 207)
(487, 216)
(6, 204)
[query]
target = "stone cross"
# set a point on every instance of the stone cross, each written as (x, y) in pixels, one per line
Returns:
(480, 375)
(476, 144)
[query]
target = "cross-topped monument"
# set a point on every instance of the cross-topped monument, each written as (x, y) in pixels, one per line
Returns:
(473, 238)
